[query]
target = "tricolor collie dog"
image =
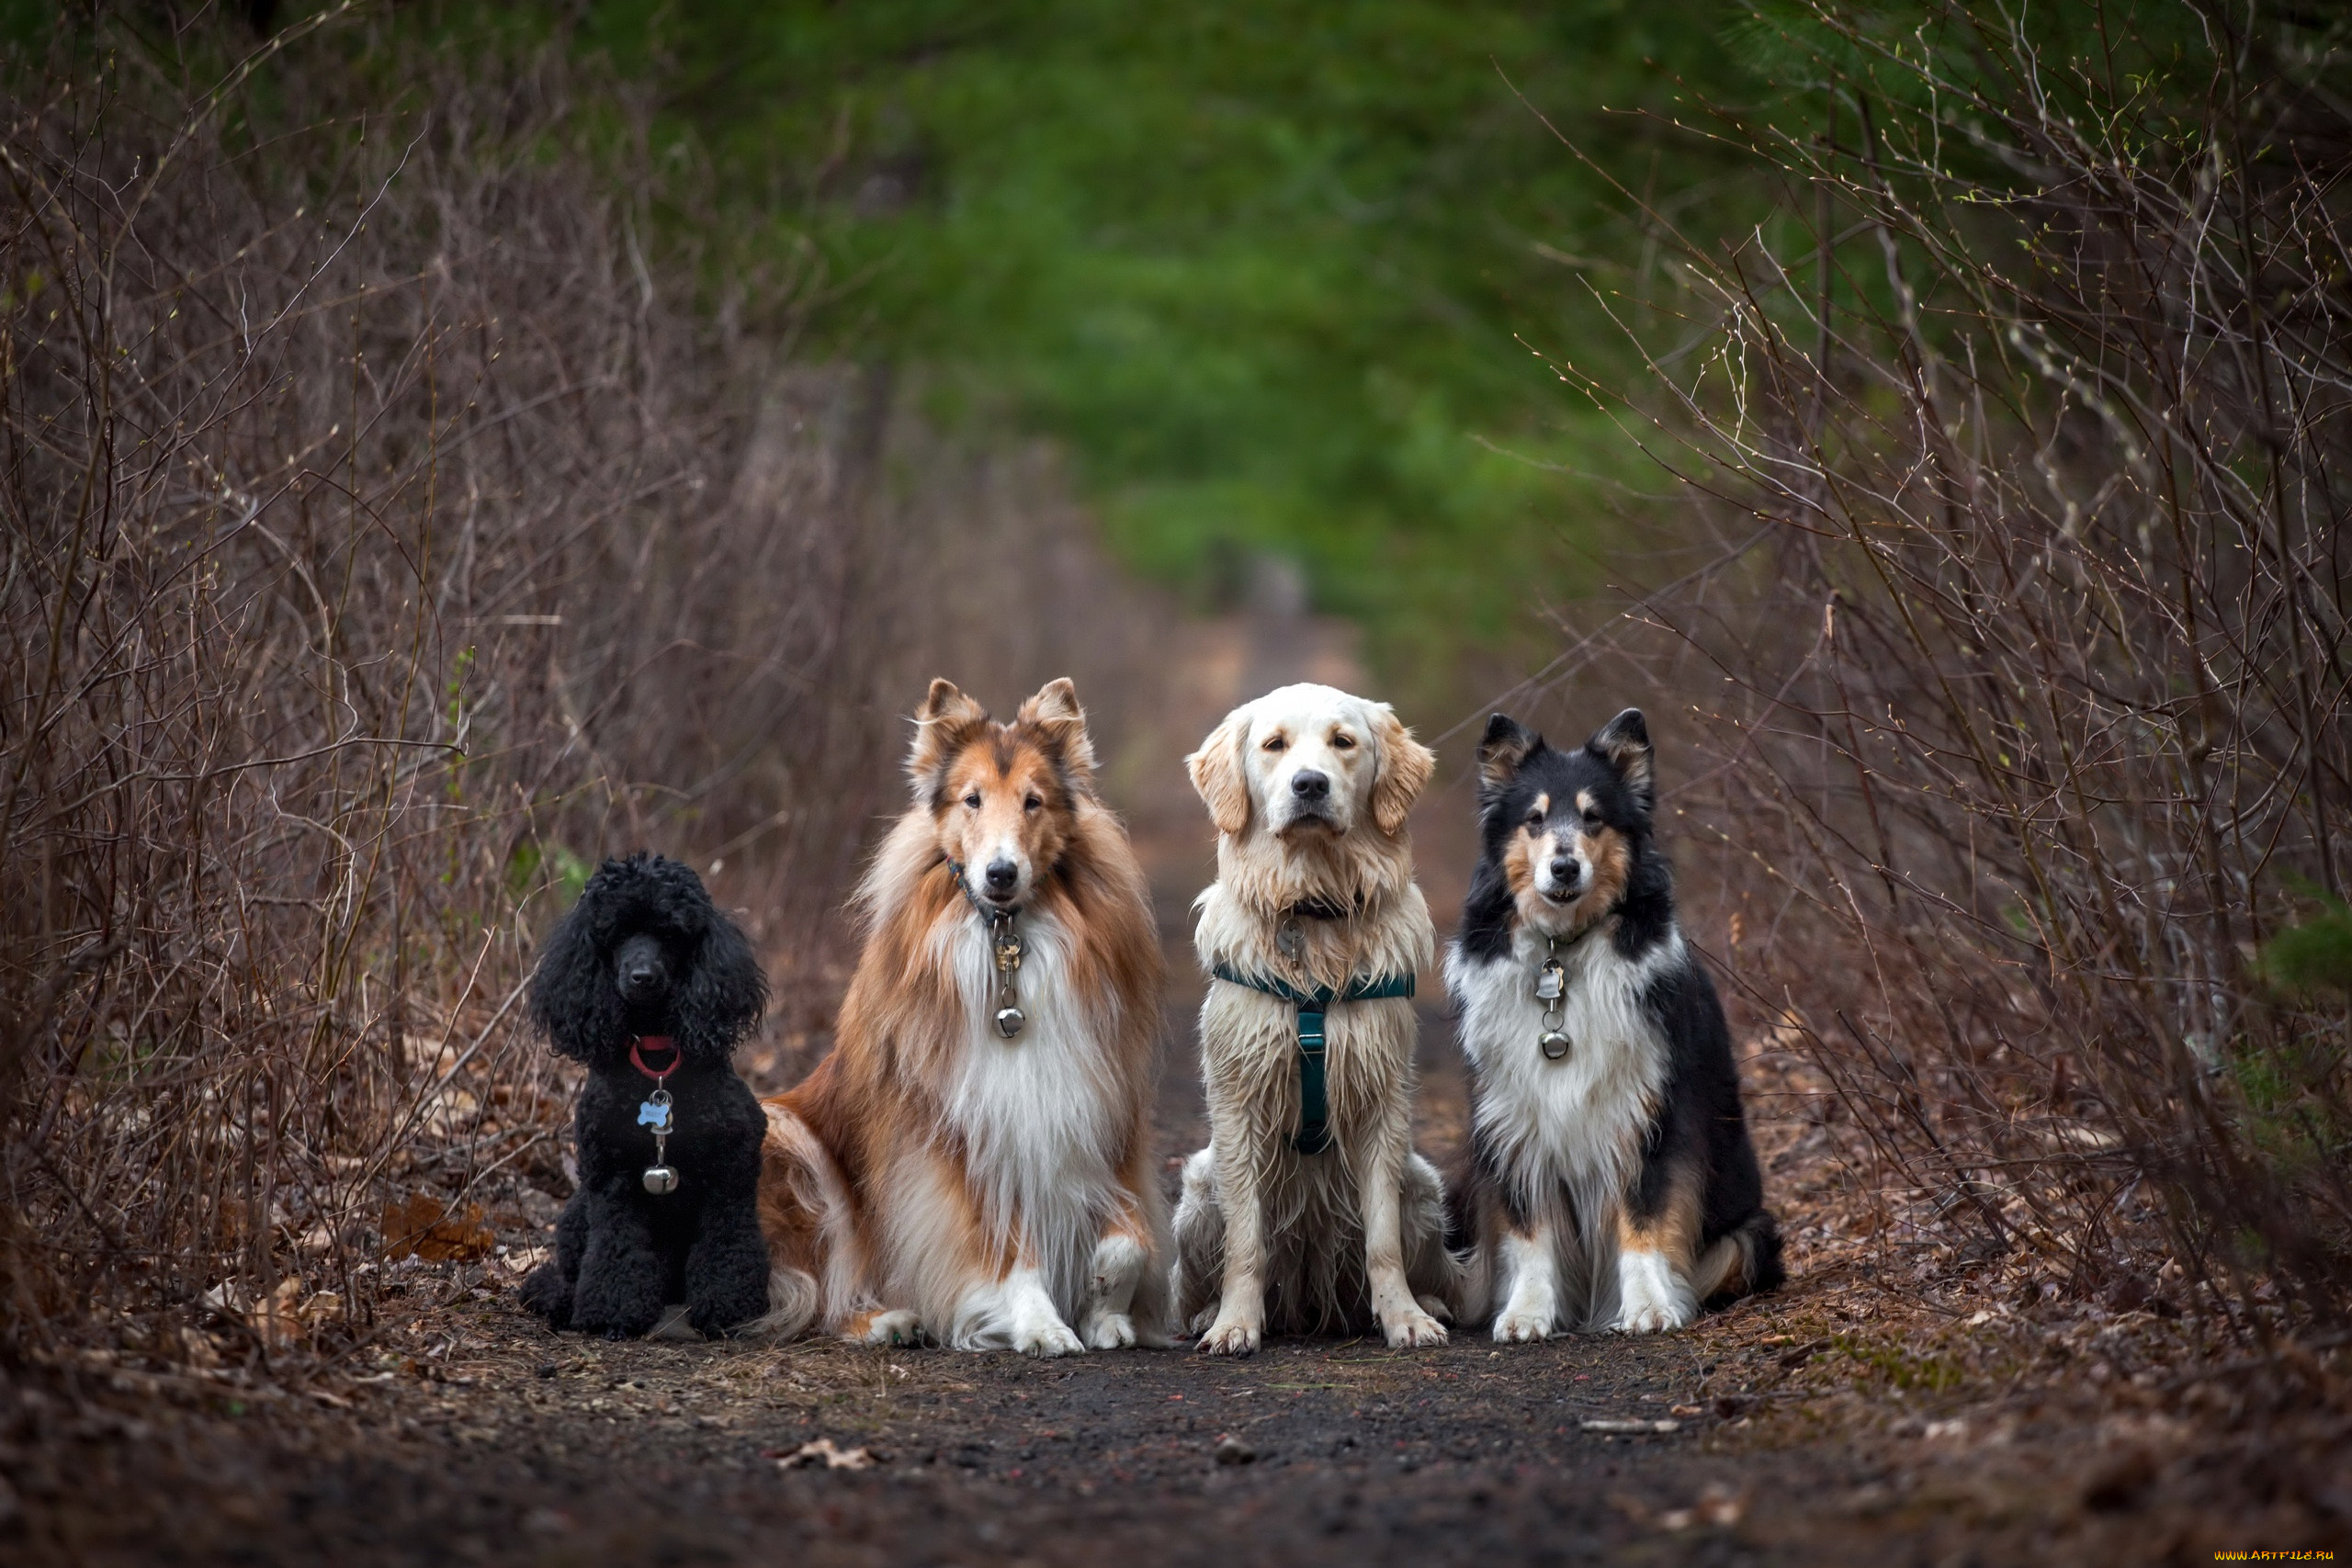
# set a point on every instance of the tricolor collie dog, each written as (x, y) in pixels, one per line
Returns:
(972, 1163)
(1612, 1184)
(1309, 1205)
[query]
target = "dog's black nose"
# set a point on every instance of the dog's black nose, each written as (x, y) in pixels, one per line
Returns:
(1565, 872)
(1002, 874)
(1310, 786)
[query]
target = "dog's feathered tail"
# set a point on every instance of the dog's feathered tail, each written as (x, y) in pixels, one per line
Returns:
(1744, 1260)
(803, 1211)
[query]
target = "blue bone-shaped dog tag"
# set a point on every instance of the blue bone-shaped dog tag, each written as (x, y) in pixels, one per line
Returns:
(655, 1114)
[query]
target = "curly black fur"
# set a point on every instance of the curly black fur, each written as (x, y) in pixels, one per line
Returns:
(646, 952)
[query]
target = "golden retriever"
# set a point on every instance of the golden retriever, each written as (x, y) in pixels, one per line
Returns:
(1299, 1216)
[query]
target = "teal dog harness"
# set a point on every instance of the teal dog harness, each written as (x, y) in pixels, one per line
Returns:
(1314, 1101)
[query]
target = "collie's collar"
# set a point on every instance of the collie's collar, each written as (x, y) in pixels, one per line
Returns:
(1005, 951)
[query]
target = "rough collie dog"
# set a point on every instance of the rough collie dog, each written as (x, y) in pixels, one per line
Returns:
(973, 1162)
(1612, 1184)
(1308, 1205)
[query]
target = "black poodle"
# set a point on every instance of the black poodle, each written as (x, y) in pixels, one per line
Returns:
(651, 987)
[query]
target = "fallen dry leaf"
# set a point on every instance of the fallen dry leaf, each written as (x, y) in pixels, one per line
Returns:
(424, 1226)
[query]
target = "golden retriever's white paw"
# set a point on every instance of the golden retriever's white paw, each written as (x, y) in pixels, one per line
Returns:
(1046, 1339)
(1413, 1330)
(1522, 1328)
(1229, 1338)
(1111, 1331)
(889, 1328)
(1651, 1298)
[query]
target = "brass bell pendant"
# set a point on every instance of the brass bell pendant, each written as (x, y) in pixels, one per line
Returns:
(660, 1179)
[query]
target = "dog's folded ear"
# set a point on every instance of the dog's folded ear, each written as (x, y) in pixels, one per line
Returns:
(573, 1002)
(1502, 749)
(1053, 713)
(946, 719)
(1216, 771)
(1624, 744)
(724, 995)
(1405, 766)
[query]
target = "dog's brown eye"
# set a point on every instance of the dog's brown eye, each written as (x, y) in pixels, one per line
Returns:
(1535, 818)
(1592, 818)
(1032, 804)
(1274, 743)
(973, 800)
(1342, 742)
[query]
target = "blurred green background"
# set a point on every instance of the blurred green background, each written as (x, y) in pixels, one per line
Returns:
(1272, 273)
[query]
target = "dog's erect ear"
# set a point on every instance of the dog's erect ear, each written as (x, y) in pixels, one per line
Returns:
(1218, 773)
(946, 719)
(1055, 714)
(573, 1001)
(724, 994)
(1624, 744)
(1502, 749)
(1405, 767)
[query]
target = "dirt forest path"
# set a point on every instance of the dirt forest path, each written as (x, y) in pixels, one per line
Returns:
(1823, 1425)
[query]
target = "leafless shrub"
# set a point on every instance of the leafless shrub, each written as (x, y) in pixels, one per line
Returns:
(2027, 421)
(384, 541)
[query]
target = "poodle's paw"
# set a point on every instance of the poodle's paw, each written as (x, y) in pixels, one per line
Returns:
(899, 1327)
(1414, 1329)
(1651, 1298)
(547, 1292)
(1110, 1331)
(1230, 1337)
(1522, 1328)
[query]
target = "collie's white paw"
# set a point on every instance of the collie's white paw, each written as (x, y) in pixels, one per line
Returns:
(1651, 1299)
(1047, 1339)
(890, 1328)
(1522, 1328)
(1413, 1329)
(1234, 1337)
(1111, 1331)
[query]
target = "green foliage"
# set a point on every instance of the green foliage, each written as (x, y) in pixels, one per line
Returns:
(534, 865)
(2315, 955)
(1270, 270)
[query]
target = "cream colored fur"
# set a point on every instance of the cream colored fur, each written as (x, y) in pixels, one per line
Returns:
(1366, 1216)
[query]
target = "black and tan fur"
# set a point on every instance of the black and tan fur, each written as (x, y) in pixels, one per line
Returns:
(1615, 1187)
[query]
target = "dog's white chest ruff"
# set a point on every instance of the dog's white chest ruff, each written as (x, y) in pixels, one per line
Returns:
(1578, 1120)
(1035, 1112)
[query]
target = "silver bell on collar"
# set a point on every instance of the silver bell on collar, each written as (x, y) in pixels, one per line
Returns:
(661, 1180)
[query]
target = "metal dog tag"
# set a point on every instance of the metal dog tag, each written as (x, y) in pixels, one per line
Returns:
(1290, 939)
(660, 1179)
(1552, 991)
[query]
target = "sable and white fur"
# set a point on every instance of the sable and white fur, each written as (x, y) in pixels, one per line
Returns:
(1615, 1188)
(931, 1177)
(1309, 789)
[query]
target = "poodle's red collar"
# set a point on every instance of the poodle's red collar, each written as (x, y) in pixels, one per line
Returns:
(659, 1042)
